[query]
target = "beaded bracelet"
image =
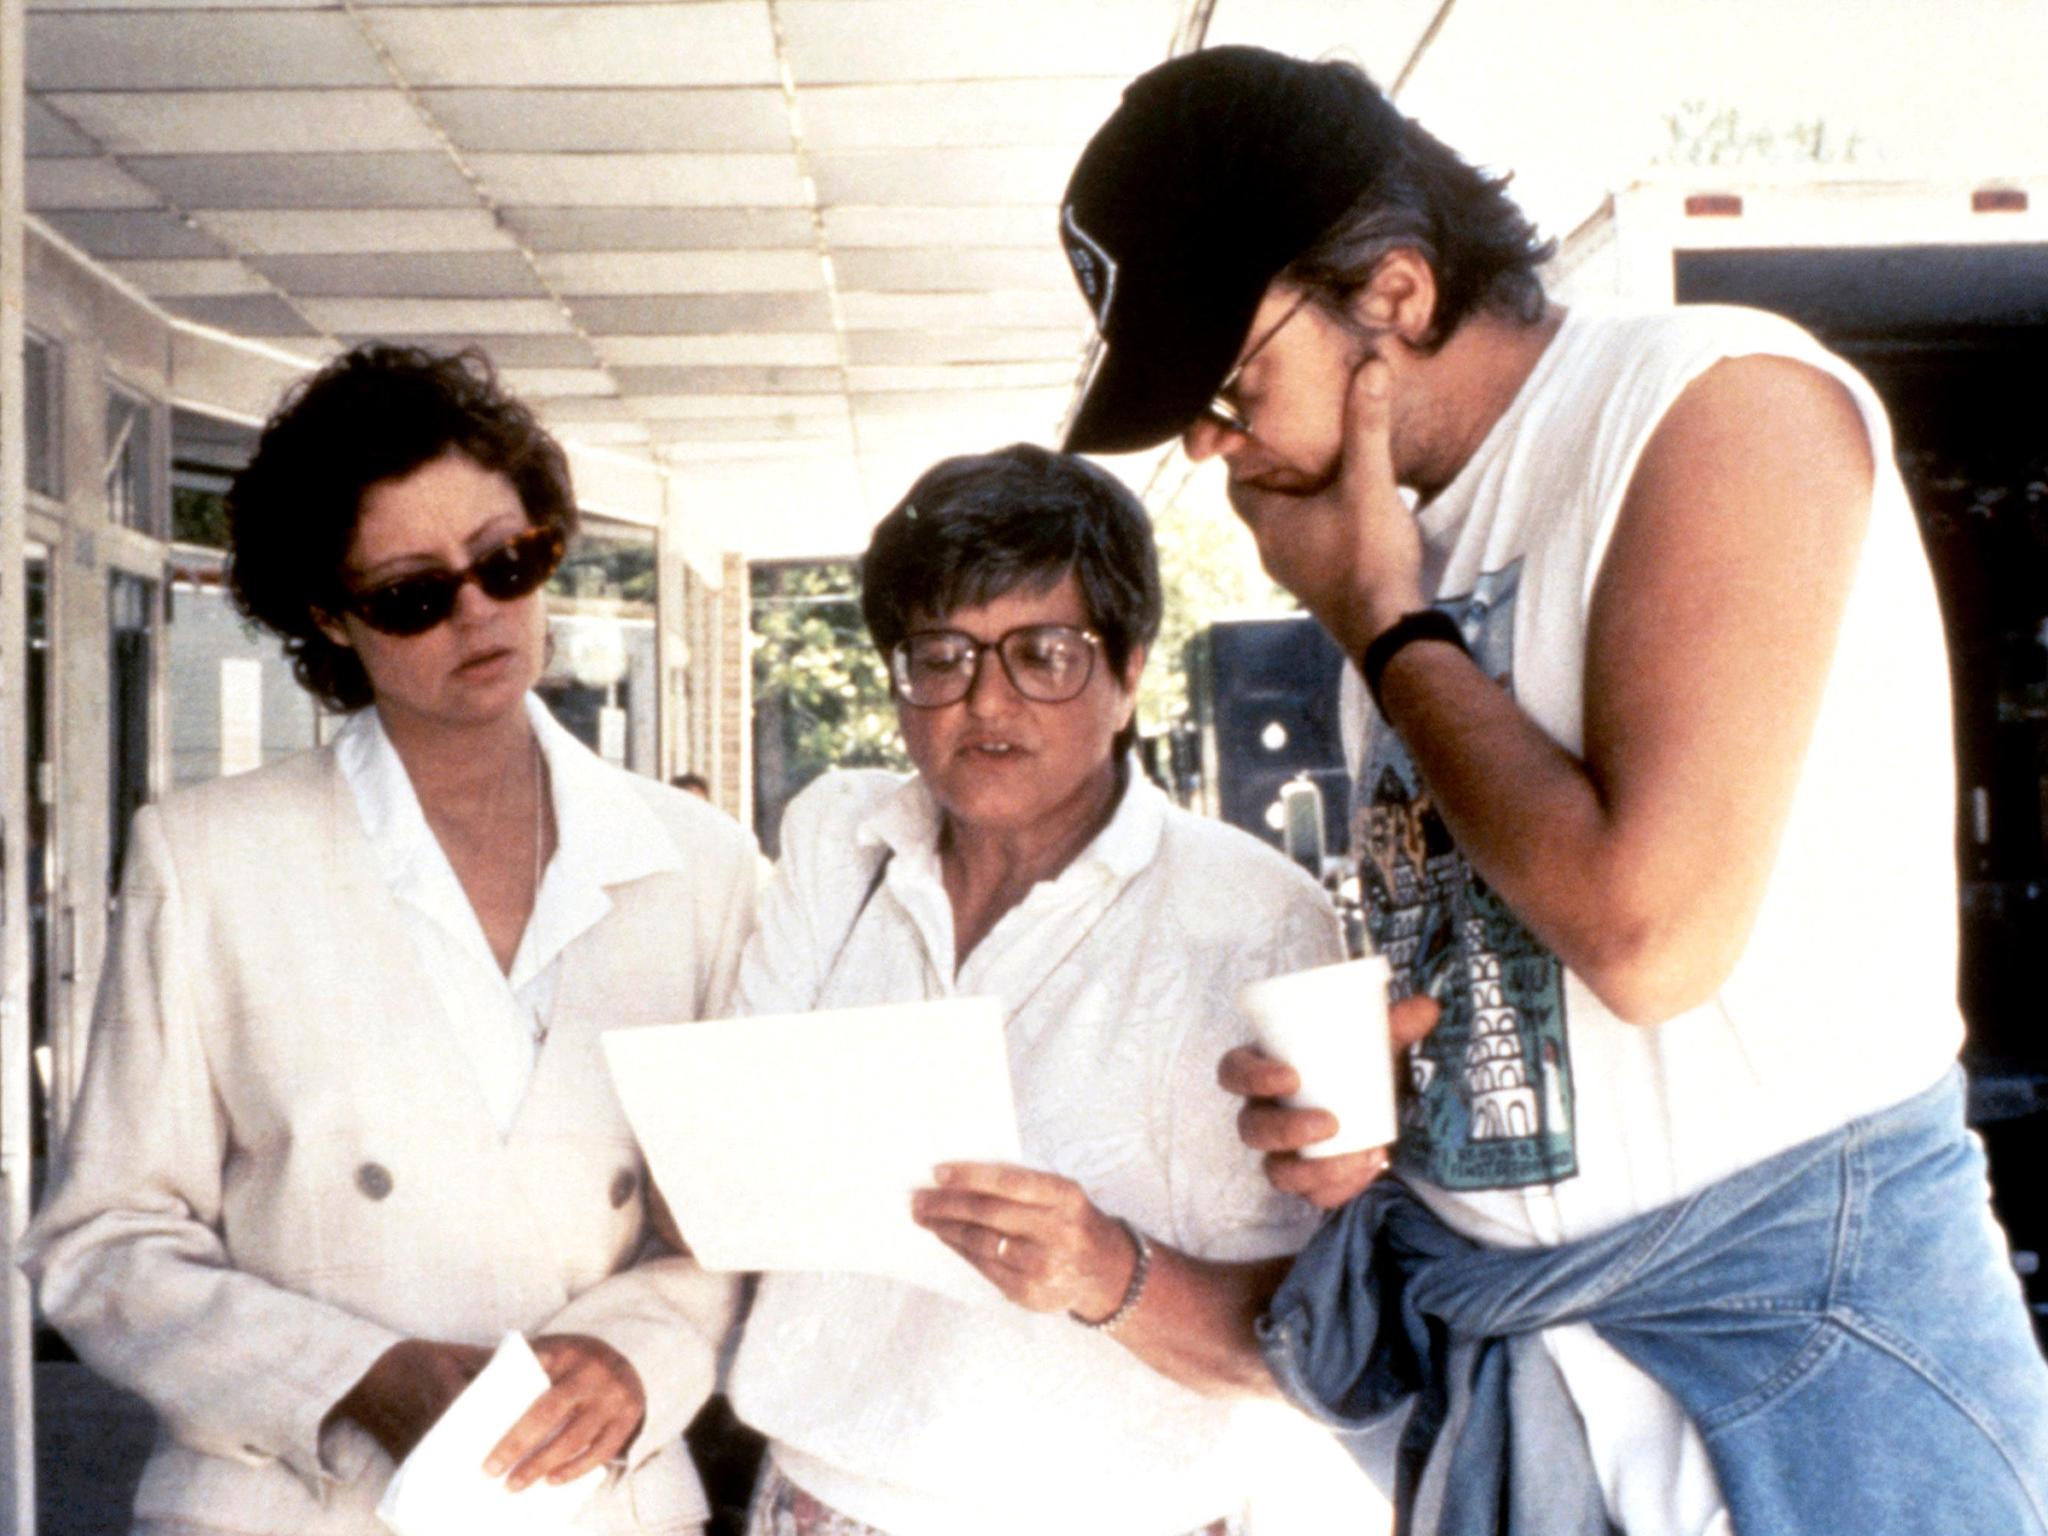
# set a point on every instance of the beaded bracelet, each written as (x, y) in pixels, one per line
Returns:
(1132, 1292)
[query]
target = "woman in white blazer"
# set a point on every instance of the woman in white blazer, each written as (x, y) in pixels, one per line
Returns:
(345, 1121)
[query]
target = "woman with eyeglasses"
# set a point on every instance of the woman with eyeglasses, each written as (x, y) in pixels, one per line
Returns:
(1014, 595)
(345, 1123)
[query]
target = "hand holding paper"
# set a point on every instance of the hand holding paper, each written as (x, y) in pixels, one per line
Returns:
(1036, 1236)
(442, 1486)
(585, 1419)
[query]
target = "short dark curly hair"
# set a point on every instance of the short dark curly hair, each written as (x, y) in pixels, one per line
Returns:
(376, 413)
(975, 527)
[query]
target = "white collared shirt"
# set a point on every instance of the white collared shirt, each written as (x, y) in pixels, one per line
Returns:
(602, 838)
(1119, 978)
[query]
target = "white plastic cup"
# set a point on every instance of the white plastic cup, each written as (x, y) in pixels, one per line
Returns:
(1329, 1023)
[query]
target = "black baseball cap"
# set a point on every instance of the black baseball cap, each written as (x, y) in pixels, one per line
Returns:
(1216, 171)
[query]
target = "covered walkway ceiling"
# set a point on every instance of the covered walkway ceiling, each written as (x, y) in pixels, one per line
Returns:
(796, 249)
(793, 248)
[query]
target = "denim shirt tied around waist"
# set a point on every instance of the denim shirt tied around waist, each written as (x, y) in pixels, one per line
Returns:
(1841, 1322)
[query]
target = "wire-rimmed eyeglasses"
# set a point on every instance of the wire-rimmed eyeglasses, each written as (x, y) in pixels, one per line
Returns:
(1226, 412)
(1047, 663)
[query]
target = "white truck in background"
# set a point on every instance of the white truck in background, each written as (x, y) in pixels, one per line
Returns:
(1938, 292)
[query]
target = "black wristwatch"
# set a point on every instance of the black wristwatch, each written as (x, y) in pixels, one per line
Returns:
(1422, 624)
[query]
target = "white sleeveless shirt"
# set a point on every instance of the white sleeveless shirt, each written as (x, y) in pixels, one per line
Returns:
(1540, 1116)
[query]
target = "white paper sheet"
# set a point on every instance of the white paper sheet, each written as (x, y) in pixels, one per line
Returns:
(441, 1489)
(794, 1142)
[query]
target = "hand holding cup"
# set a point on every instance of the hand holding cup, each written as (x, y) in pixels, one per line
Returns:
(1329, 1023)
(1291, 1137)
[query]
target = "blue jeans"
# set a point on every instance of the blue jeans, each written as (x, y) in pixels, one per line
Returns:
(1841, 1322)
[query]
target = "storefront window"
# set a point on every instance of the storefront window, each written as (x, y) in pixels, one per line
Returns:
(130, 461)
(601, 676)
(234, 704)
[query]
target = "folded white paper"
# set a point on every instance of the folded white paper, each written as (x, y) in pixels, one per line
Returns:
(794, 1142)
(441, 1488)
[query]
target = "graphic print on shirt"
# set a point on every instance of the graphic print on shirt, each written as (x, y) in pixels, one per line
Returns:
(1491, 1101)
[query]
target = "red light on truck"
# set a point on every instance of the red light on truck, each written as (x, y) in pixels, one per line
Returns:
(1713, 205)
(1998, 200)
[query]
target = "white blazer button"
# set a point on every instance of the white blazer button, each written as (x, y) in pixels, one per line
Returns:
(374, 1180)
(624, 1182)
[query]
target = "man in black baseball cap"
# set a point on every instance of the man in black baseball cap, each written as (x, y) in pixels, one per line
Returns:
(1220, 172)
(1640, 608)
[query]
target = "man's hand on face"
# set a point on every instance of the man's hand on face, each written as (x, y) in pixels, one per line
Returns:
(1350, 549)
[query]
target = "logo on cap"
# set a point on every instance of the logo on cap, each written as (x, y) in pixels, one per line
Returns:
(1094, 268)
